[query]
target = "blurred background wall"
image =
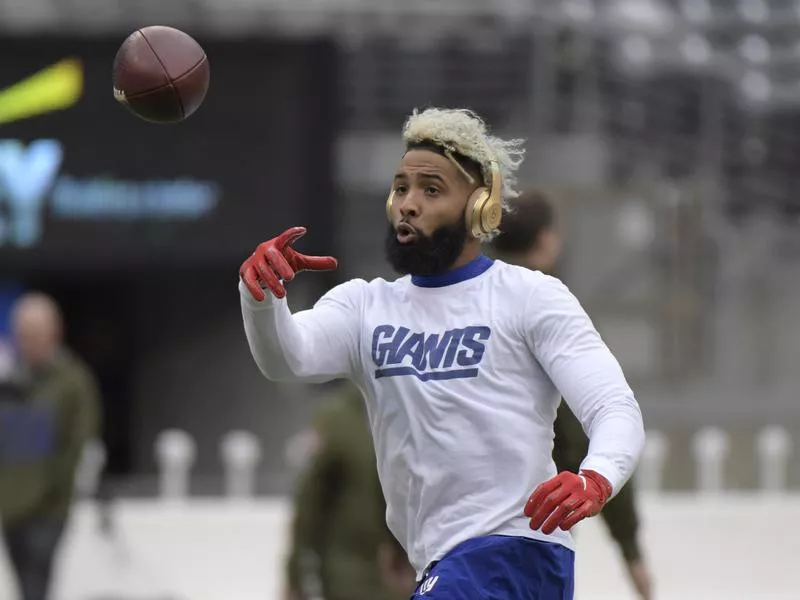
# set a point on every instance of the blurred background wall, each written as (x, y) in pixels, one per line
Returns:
(666, 129)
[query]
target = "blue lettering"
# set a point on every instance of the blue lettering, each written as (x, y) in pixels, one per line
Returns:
(413, 347)
(127, 200)
(26, 175)
(381, 348)
(434, 350)
(454, 354)
(394, 357)
(452, 347)
(471, 340)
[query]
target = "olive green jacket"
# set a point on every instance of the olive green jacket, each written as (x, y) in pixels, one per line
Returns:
(340, 512)
(42, 435)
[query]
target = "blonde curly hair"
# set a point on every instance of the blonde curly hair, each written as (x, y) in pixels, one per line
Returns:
(462, 131)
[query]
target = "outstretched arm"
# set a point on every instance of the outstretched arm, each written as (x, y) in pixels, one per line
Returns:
(314, 345)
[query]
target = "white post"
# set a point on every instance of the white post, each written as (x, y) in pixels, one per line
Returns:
(650, 474)
(774, 449)
(90, 469)
(241, 453)
(711, 448)
(300, 448)
(175, 453)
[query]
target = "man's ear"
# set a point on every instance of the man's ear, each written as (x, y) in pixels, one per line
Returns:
(551, 241)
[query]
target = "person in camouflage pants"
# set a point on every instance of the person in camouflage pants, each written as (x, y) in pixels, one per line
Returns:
(341, 548)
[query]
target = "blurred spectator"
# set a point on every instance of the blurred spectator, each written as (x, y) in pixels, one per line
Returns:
(341, 548)
(43, 428)
(530, 237)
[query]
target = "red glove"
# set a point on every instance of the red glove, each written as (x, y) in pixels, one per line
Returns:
(567, 499)
(275, 261)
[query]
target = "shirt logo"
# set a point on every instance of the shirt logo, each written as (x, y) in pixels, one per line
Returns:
(454, 354)
(428, 584)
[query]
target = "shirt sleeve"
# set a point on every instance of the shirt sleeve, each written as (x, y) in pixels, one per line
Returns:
(311, 346)
(588, 376)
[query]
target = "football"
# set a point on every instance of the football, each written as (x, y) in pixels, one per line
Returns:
(161, 74)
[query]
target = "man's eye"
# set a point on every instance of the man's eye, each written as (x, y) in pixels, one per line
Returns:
(431, 190)
(400, 189)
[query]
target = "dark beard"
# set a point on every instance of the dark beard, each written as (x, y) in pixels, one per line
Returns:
(427, 255)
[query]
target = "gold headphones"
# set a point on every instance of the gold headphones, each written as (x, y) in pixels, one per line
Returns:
(484, 208)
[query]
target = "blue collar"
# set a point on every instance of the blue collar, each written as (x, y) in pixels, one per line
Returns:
(462, 273)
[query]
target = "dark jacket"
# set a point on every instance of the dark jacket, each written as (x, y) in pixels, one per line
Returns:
(340, 511)
(45, 421)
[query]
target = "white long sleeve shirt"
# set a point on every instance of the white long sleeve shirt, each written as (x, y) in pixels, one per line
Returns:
(462, 375)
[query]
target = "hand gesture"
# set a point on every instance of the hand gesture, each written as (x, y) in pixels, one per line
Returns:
(275, 261)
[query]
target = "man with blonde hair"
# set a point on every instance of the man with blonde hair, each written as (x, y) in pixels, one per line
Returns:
(462, 362)
(43, 430)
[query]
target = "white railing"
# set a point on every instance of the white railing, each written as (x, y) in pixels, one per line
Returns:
(701, 546)
(240, 455)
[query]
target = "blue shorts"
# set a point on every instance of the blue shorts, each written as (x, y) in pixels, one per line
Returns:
(499, 567)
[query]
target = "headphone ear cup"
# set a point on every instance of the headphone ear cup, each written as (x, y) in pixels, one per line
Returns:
(476, 206)
(389, 202)
(484, 209)
(491, 215)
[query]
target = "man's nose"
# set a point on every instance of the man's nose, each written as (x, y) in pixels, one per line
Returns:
(409, 207)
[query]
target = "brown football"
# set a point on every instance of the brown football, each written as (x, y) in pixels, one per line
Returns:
(161, 74)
